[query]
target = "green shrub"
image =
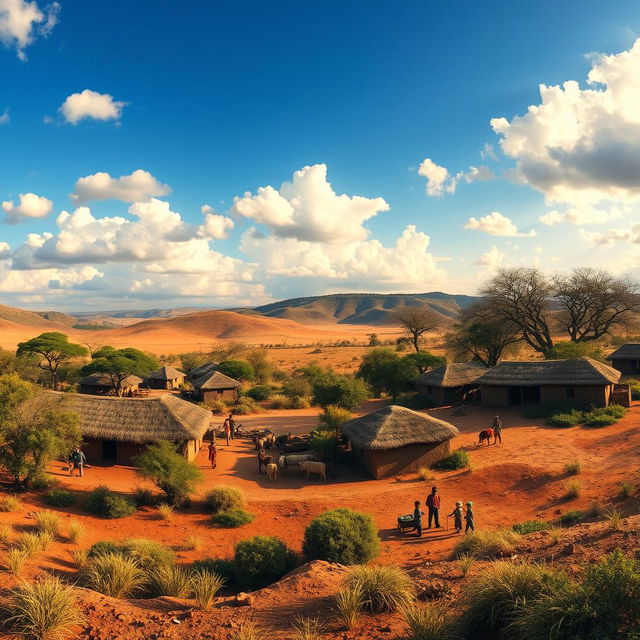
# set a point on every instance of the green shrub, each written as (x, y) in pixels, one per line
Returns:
(102, 502)
(298, 402)
(635, 389)
(223, 567)
(43, 481)
(224, 498)
(491, 600)
(102, 548)
(113, 574)
(232, 518)
(260, 392)
(459, 459)
(569, 518)
(46, 609)
(341, 535)
(59, 498)
(324, 445)
(383, 588)
(486, 544)
(171, 472)
(605, 416)
(237, 369)
(530, 526)
(566, 419)
(261, 560)
(143, 497)
(278, 401)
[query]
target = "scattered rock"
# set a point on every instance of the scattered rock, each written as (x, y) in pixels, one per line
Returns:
(244, 599)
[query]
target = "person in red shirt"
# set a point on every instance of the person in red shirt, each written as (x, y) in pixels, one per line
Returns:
(227, 430)
(213, 455)
(433, 504)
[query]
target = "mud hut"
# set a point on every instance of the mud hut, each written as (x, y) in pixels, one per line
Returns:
(216, 386)
(100, 384)
(165, 378)
(578, 382)
(626, 359)
(115, 430)
(204, 369)
(450, 384)
(396, 440)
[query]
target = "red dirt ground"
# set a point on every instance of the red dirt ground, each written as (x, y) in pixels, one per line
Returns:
(524, 478)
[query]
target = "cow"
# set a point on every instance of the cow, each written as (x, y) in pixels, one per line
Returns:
(485, 434)
(263, 460)
(293, 460)
(272, 472)
(310, 466)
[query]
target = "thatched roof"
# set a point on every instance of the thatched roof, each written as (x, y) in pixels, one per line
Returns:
(456, 374)
(393, 427)
(164, 417)
(103, 380)
(574, 372)
(628, 351)
(166, 373)
(216, 380)
(202, 370)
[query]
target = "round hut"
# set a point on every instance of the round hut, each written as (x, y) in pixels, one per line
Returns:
(396, 440)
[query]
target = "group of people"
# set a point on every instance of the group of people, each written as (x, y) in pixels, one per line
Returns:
(76, 461)
(433, 506)
(229, 427)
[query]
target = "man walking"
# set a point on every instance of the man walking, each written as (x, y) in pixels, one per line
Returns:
(79, 460)
(232, 426)
(497, 430)
(213, 454)
(433, 504)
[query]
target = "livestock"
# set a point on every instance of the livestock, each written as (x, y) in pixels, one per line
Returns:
(485, 434)
(263, 460)
(283, 439)
(272, 471)
(293, 460)
(269, 440)
(259, 442)
(314, 467)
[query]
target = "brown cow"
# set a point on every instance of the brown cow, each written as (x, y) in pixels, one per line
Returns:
(485, 434)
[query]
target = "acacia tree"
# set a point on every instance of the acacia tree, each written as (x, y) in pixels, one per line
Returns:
(34, 429)
(53, 348)
(481, 336)
(416, 321)
(523, 298)
(594, 302)
(119, 364)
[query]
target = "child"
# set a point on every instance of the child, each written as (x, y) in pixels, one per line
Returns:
(457, 514)
(417, 518)
(213, 455)
(468, 516)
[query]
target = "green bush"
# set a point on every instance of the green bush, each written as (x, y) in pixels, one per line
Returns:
(383, 588)
(260, 392)
(279, 401)
(486, 544)
(171, 472)
(220, 566)
(491, 600)
(232, 518)
(237, 369)
(324, 445)
(530, 526)
(566, 419)
(605, 416)
(341, 535)
(298, 402)
(261, 560)
(569, 518)
(102, 502)
(144, 497)
(635, 389)
(459, 459)
(59, 498)
(224, 498)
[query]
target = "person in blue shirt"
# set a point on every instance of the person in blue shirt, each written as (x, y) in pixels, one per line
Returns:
(468, 516)
(417, 518)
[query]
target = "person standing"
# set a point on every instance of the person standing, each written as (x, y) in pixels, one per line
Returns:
(227, 430)
(468, 516)
(433, 504)
(497, 429)
(232, 426)
(457, 514)
(79, 460)
(70, 463)
(417, 518)
(213, 454)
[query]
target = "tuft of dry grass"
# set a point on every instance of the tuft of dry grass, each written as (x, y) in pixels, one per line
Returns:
(165, 512)
(75, 531)
(555, 534)
(48, 522)
(574, 489)
(427, 621)
(574, 467)
(6, 533)
(465, 562)
(80, 557)
(29, 543)
(626, 490)
(46, 540)
(350, 603)
(597, 510)
(486, 544)
(14, 560)
(45, 609)
(306, 628)
(205, 586)
(171, 580)
(614, 518)
(9, 503)
(248, 631)
(113, 574)
(426, 474)
(383, 588)
(193, 543)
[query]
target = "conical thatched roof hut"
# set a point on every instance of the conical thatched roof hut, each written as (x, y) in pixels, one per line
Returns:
(165, 378)
(450, 384)
(395, 440)
(101, 384)
(116, 429)
(216, 386)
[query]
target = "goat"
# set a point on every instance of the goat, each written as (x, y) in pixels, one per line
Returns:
(485, 434)
(272, 471)
(314, 467)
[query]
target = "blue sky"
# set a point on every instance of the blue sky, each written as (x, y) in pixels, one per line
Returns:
(213, 101)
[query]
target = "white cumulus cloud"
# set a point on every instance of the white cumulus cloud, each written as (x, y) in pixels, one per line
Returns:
(29, 205)
(22, 21)
(91, 104)
(495, 224)
(440, 181)
(215, 225)
(138, 186)
(491, 259)
(307, 208)
(581, 146)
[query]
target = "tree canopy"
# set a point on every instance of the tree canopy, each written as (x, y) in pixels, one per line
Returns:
(119, 364)
(53, 348)
(237, 369)
(415, 321)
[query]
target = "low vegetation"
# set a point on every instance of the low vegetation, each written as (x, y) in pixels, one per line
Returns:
(572, 517)
(341, 535)
(530, 526)
(113, 574)
(147, 553)
(205, 586)
(595, 417)
(306, 628)
(171, 580)
(349, 605)
(573, 467)
(486, 544)
(224, 498)
(459, 459)
(15, 560)
(383, 588)
(428, 621)
(165, 512)
(232, 518)
(261, 560)
(626, 490)
(9, 503)
(574, 489)
(106, 504)
(48, 522)
(59, 498)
